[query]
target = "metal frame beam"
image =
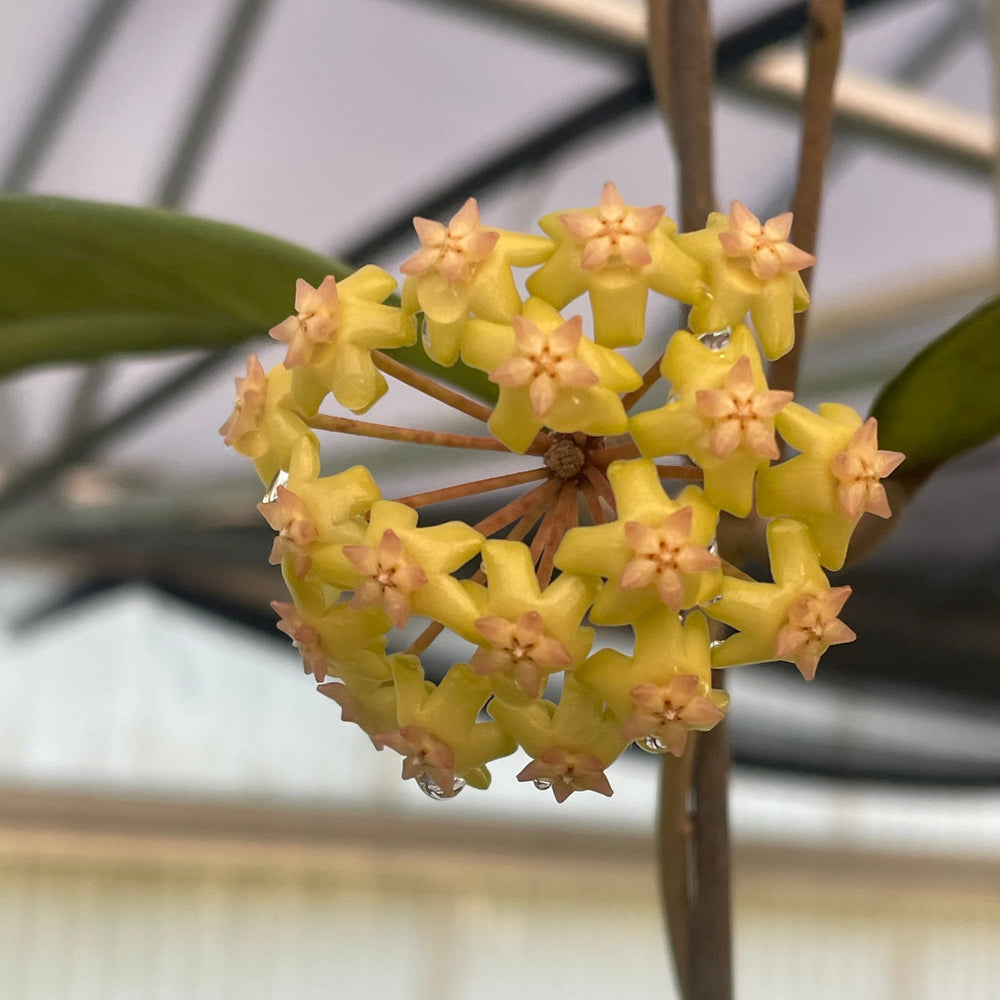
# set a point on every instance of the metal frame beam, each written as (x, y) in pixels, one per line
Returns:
(891, 113)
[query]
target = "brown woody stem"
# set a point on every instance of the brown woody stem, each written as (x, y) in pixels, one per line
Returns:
(471, 489)
(564, 517)
(649, 378)
(387, 432)
(429, 387)
(422, 641)
(674, 843)
(541, 539)
(532, 500)
(680, 472)
(694, 873)
(527, 522)
(605, 456)
(684, 44)
(825, 32)
(593, 502)
(600, 483)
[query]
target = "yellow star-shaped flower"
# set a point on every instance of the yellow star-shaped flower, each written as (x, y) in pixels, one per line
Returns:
(332, 335)
(438, 734)
(616, 252)
(654, 554)
(465, 268)
(407, 570)
(266, 423)
(338, 641)
(526, 633)
(550, 375)
(721, 415)
(834, 480)
(794, 618)
(571, 744)
(367, 702)
(664, 689)
(311, 513)
(750, 267)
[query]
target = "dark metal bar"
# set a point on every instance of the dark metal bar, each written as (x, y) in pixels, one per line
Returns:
(80, 438)
(616, 107)
(783, 23)
(81, 59)
(52, 111)
(230, 57)
(80, 446)
(551, 140)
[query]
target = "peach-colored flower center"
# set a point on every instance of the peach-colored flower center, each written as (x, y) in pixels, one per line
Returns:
(391, 576)
(522, 648)
(667, 713)
(566, 772)
(811, 627)
(859, 469)
(545, 362)
(455, 251)
(741, 414)
(663, 556)
(764, 246)
(616, 234)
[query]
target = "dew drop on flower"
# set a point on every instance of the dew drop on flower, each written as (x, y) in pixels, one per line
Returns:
(716, 340)
(542, 784)
(652, 745)
(425, 335)
(280, 478)
(434, 791)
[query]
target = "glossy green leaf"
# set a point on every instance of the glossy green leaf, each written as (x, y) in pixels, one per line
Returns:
(947, 399)
(82, 280)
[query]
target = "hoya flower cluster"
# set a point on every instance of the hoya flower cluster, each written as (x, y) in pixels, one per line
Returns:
(615, 525)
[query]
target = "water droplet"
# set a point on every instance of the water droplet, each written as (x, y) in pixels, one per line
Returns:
(280, 478)
(716, 340)
(434, 791)
(425, 334)
(652, 745)
(542, 784)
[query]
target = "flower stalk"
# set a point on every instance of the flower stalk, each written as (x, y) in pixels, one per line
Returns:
(387, 432)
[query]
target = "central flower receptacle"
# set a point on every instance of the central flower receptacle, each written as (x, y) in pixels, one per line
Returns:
(568, 454)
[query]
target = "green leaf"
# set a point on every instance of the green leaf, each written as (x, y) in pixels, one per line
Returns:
(90, 337)
(82, 280)
(947, 399)
(67, 258)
